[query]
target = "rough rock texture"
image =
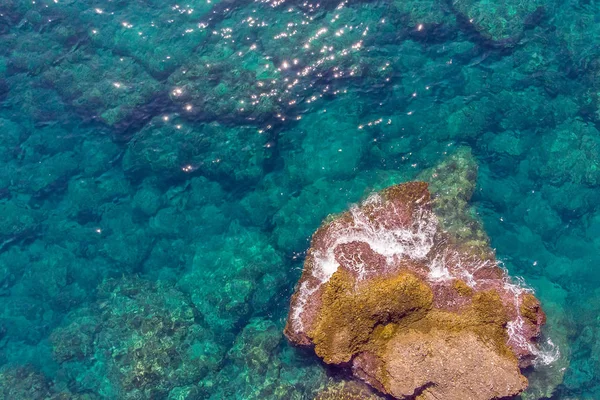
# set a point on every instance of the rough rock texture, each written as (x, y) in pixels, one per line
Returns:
(502, 22)
(347, 390)
(413, 306)
(449, 366)
(140, 340)
(25, 382)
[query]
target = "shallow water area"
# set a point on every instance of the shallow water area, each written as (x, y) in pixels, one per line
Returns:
(164, 165)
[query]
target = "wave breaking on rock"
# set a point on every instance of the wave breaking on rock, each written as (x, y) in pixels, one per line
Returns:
(405, 290)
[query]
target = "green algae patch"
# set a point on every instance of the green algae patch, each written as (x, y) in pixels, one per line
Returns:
(452, 183)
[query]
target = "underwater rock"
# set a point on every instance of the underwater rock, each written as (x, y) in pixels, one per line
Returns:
(293, 225)
(25, 383)
(569, 155)
(145, 339)
(472, 120)
(33, 54)
(98, 86)
(239, 95)
(260, 365)
(411, 305)
(503, 23)
(255, 368)
(269, 76)
(347, 390)
(87, 198)
(170, 34)
(170, 148)
(453, 182)
(335, 156)
(548, 374)
(17, 221)
(223, 285)
(4, 88)
(147, 199)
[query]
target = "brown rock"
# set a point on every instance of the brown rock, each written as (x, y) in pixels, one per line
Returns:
(457, 366)
(347, 390)
(412, 307)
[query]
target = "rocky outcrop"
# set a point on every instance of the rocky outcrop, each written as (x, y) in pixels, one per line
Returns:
(413, 306)
(347, 390)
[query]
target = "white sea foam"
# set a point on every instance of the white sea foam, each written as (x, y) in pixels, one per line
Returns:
(438, 270)
(450, 265)
(546, 353)
(414, 242)
(304, 293)
(516, 327)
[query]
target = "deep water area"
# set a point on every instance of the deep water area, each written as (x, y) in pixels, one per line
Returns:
(163, 165)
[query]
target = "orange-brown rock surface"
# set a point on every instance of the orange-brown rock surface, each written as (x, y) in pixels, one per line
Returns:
(413, 305)
(347, 390)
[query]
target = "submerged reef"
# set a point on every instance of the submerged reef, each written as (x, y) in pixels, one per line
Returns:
(347, 390)
(503, 23)
(189, 151)
(413, 308)
(139, 340)
(24, 382)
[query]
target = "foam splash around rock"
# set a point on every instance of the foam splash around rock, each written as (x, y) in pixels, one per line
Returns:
(391, 280)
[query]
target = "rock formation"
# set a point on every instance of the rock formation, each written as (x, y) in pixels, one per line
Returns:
(347, 390)
(414, 305)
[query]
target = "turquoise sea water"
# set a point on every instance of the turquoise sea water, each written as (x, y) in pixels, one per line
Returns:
(163, 165)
